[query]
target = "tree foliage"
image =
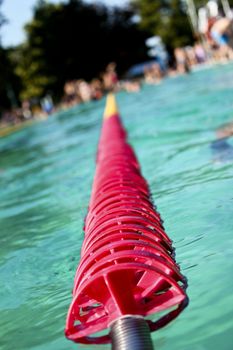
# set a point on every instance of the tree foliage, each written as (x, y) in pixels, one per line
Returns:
(166, 18)
(9, 82)
(75, 40)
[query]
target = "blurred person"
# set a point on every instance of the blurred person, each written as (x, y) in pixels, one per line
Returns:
(70, 91)
(182, 65)
(200, 53)
(131, 86)
(221, 148)
(210, 42)
(148, 75)
(190, 55)
(26, 109)
(96, 89)
(12, 117)
(71, 94)
(220, 33)
(152, 74)
(47, 104)
(110, 78)
(84, 90)
(156, 72)
(225, 131)
(172, 72)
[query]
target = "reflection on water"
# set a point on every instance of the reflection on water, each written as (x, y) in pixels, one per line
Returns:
(46, 173)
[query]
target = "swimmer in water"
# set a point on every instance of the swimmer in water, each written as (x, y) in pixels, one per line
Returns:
(222, 150)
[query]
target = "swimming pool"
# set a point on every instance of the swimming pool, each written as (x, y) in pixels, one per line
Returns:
(46, 173)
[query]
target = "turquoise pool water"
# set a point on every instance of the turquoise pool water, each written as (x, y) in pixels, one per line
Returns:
(46, 173)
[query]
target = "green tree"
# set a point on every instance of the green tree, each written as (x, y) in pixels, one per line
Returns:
(178, 31)
(9, 83)
(166, 18)
(75, 40)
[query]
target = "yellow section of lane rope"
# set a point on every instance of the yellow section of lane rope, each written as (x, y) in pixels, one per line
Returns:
(110, 107)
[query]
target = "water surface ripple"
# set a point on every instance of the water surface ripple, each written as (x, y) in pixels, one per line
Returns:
(46, 172)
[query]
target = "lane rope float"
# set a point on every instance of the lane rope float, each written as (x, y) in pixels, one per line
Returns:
(127, 269)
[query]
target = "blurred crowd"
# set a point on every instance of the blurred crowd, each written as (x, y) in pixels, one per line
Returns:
(75, 92)
(79, 91)
(214, 45)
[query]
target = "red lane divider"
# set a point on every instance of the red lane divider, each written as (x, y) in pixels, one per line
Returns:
(127, 263)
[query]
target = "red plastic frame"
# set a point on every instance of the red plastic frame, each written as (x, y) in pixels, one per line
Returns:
(127, 265)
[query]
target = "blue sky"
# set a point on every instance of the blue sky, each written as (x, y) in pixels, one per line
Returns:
(18, 12)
